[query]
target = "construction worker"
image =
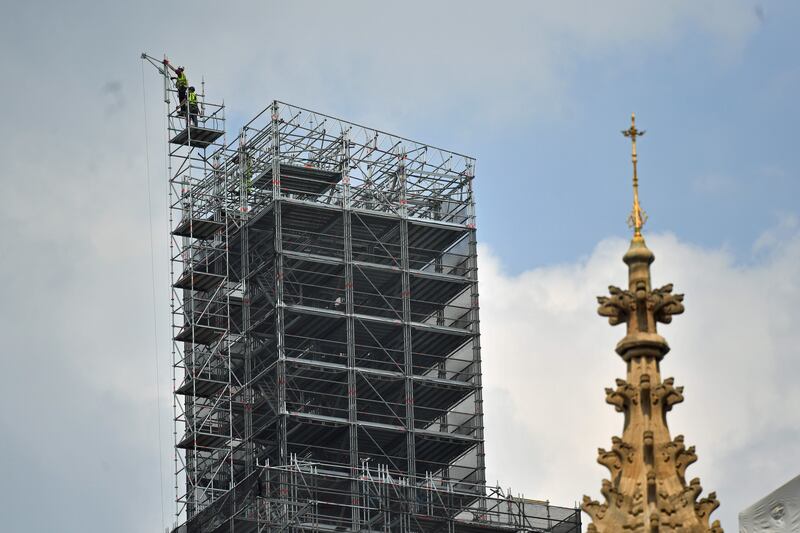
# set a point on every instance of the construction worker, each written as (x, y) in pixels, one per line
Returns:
(194, 109)
(181, 82)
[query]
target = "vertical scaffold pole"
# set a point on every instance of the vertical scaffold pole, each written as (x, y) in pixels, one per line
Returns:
(352, 405)
(279, 306)
(475, 326)
(246, 301)
(408, 492)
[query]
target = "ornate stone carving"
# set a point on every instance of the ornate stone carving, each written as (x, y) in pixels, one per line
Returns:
(638, 503)
(706, 506)
(667, 394)
(661, 303)
(676, 453)
(611, 460)
(617, 307)
(624, 395)
(614, 459)
(684, 457)
(594, 508)
(665, 304)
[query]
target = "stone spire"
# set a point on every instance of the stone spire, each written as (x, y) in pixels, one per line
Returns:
(647, 492)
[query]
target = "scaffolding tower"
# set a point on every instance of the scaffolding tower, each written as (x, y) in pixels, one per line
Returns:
(326, 354)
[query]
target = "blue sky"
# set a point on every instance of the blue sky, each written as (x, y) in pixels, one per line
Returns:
(537, 91)
(718, 164)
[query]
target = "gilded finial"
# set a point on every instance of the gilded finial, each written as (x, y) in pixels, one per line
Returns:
(637, 217)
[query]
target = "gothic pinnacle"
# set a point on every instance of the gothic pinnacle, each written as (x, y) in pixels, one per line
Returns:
(648, 492)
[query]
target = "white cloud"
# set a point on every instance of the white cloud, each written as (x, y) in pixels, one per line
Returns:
(787, 225)
(487, 60)
(548, 357)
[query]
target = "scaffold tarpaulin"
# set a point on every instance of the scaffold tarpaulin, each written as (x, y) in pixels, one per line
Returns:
(778, 512)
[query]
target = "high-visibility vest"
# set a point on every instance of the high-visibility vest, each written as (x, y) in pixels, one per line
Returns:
(193, 97)
(181, 81)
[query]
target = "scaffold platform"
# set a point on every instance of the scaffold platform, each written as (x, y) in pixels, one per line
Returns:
(197, 136)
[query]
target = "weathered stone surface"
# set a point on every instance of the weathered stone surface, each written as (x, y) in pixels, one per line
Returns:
(647, 492)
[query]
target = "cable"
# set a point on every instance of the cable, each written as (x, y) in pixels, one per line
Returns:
(153, 291)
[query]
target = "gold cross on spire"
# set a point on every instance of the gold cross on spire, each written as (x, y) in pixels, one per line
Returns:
(637, 217)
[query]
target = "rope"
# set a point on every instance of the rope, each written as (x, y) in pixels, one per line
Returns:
(168, 228)
(153, 290)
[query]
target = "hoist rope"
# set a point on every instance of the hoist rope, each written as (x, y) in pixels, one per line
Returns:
(153, 292)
